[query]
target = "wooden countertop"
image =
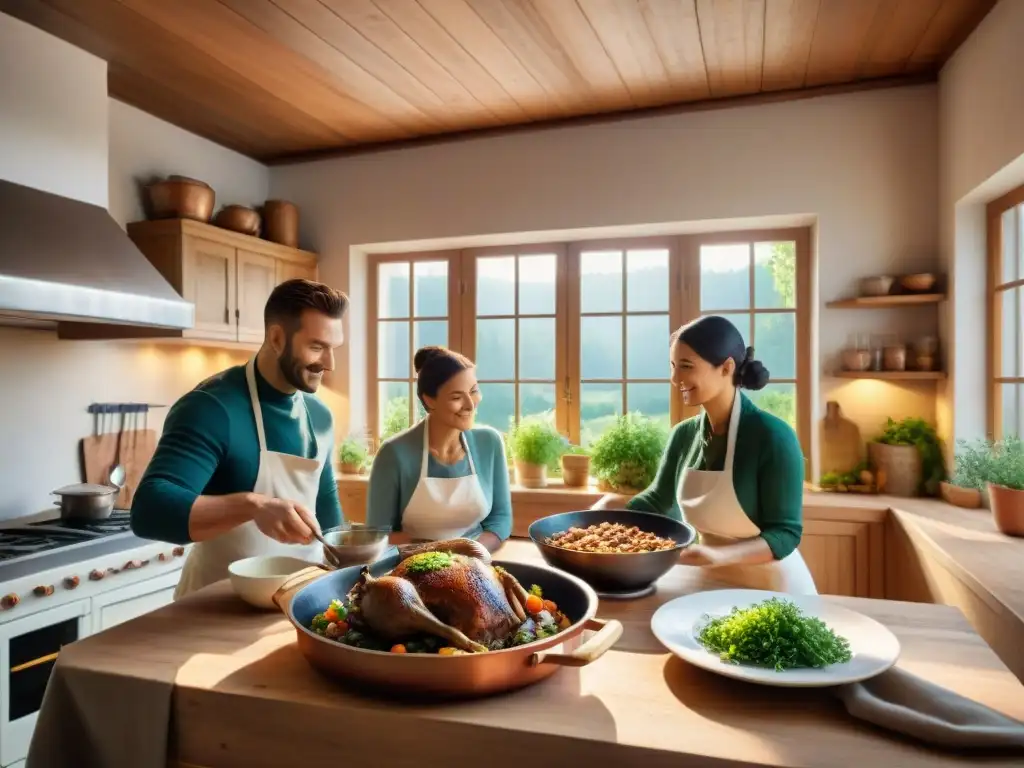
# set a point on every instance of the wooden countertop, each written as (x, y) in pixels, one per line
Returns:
(243, 695)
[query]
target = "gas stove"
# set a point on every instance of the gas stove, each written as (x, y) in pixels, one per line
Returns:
(45, 536)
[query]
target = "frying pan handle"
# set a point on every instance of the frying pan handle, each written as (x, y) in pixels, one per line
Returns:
(608, 633)
(283, 597)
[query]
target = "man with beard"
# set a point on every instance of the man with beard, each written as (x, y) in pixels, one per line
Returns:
(243, 466)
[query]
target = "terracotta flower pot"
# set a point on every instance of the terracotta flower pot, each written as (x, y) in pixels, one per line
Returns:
(1007, 509)
(968, 498)
(531, 475)
(351, 469)
(575, 470)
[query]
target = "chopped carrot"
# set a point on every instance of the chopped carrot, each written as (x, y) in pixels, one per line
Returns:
(398, 648)
(342, 626)
(448, 651)
(331, 615)
(549, 606)
(534, 604)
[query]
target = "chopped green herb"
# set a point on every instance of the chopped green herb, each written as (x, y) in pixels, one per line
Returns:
(774, 633)
(536, 590)
(319, 624)
(425, 562)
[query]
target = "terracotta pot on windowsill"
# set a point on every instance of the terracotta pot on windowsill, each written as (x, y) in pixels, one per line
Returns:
(531, 475)
(575, 470)
(968, 498)
(1007, 509)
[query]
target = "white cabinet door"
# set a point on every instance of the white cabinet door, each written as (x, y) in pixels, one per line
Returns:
(120, 605)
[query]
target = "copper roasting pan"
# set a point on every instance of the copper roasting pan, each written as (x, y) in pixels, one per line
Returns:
(310, 591)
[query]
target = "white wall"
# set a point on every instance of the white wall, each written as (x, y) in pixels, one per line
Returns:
(53, 135)
(865, 165)
(143, 147)
(981, 129)
(53, 114)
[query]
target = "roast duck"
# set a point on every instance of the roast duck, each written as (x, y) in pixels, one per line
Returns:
(446, 588)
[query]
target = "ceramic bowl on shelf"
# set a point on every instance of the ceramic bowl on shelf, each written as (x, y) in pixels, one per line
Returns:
(918, 283)
(879, 285)
(856, 359)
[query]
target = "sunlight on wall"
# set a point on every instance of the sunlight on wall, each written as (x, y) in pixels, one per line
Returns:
(868, 402)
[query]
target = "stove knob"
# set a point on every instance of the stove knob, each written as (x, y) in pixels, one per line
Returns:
(96, 575)
(9, 601)
(43, 590)
(132, 565)
(178, 551)
(70, 582)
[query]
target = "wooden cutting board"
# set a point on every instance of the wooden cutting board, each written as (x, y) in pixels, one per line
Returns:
(99, 454)
(841, 446)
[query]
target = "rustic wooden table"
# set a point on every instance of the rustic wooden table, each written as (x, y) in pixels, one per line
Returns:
(244, 696)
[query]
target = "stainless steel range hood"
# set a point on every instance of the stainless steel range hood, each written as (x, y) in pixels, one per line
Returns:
(65, 260)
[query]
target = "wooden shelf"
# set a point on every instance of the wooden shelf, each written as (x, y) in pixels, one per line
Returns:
(903, 300)
(892, 375)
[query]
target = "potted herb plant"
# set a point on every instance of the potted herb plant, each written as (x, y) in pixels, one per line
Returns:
(1005, 484)
(907, 458)
(576, 467)
(625, 457)
(352, 456)
(971, 468)
(534, 443)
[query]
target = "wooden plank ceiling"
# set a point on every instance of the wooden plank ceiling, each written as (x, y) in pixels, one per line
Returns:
(278, 78)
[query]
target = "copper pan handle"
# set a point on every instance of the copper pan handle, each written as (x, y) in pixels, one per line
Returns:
(283, 597)
(608, 633)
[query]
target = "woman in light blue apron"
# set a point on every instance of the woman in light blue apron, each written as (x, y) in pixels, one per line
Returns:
(444, 477)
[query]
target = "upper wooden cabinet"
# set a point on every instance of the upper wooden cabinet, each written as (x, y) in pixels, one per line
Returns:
(226, 275)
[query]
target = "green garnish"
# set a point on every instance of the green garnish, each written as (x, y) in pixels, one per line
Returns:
(774, 633)
(319, 624)
(425, 562)
(340, 609)
(535, 590)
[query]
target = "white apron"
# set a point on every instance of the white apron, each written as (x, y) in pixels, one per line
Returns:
(444, 507)
(281, 476)
(708, 502)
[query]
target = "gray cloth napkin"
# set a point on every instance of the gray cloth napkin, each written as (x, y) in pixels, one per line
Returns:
(903, 702)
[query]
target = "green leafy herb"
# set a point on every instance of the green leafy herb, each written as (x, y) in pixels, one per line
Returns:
(982, 462)
(425, 562)
(921, 434)
(626, 455)
(319, 624)
(535, 441)
(352, 451)
(536, 590)
(774, 633)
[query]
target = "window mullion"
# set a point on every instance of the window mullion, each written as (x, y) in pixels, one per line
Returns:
(571, 358)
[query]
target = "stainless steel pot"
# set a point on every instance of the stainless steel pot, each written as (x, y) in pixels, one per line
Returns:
(86, 501)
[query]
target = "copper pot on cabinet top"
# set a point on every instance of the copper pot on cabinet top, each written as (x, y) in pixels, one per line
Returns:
(238, 218)
(179, 197)
(281, 222)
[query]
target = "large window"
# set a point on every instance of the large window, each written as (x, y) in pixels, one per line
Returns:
(1006, 315)
(578, 332)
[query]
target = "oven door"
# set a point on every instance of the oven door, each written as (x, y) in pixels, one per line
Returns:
(28, 652)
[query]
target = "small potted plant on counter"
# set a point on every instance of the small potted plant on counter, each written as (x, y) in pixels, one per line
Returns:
(534, 444)
(576, 467)
(1005, 484)
(625, 456)
(352, 456)
(971, 469)
(907, 458)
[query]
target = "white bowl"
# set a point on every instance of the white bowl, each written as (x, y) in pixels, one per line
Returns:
(256, 579)
(356, 545)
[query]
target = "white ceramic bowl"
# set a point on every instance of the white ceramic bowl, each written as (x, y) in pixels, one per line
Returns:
(357, 545)
(256, 579)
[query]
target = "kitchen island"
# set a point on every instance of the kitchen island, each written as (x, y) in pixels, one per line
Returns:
(240, 694)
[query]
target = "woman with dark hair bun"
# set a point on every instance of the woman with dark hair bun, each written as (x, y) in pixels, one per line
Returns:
(734, 471)
(443, 478)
